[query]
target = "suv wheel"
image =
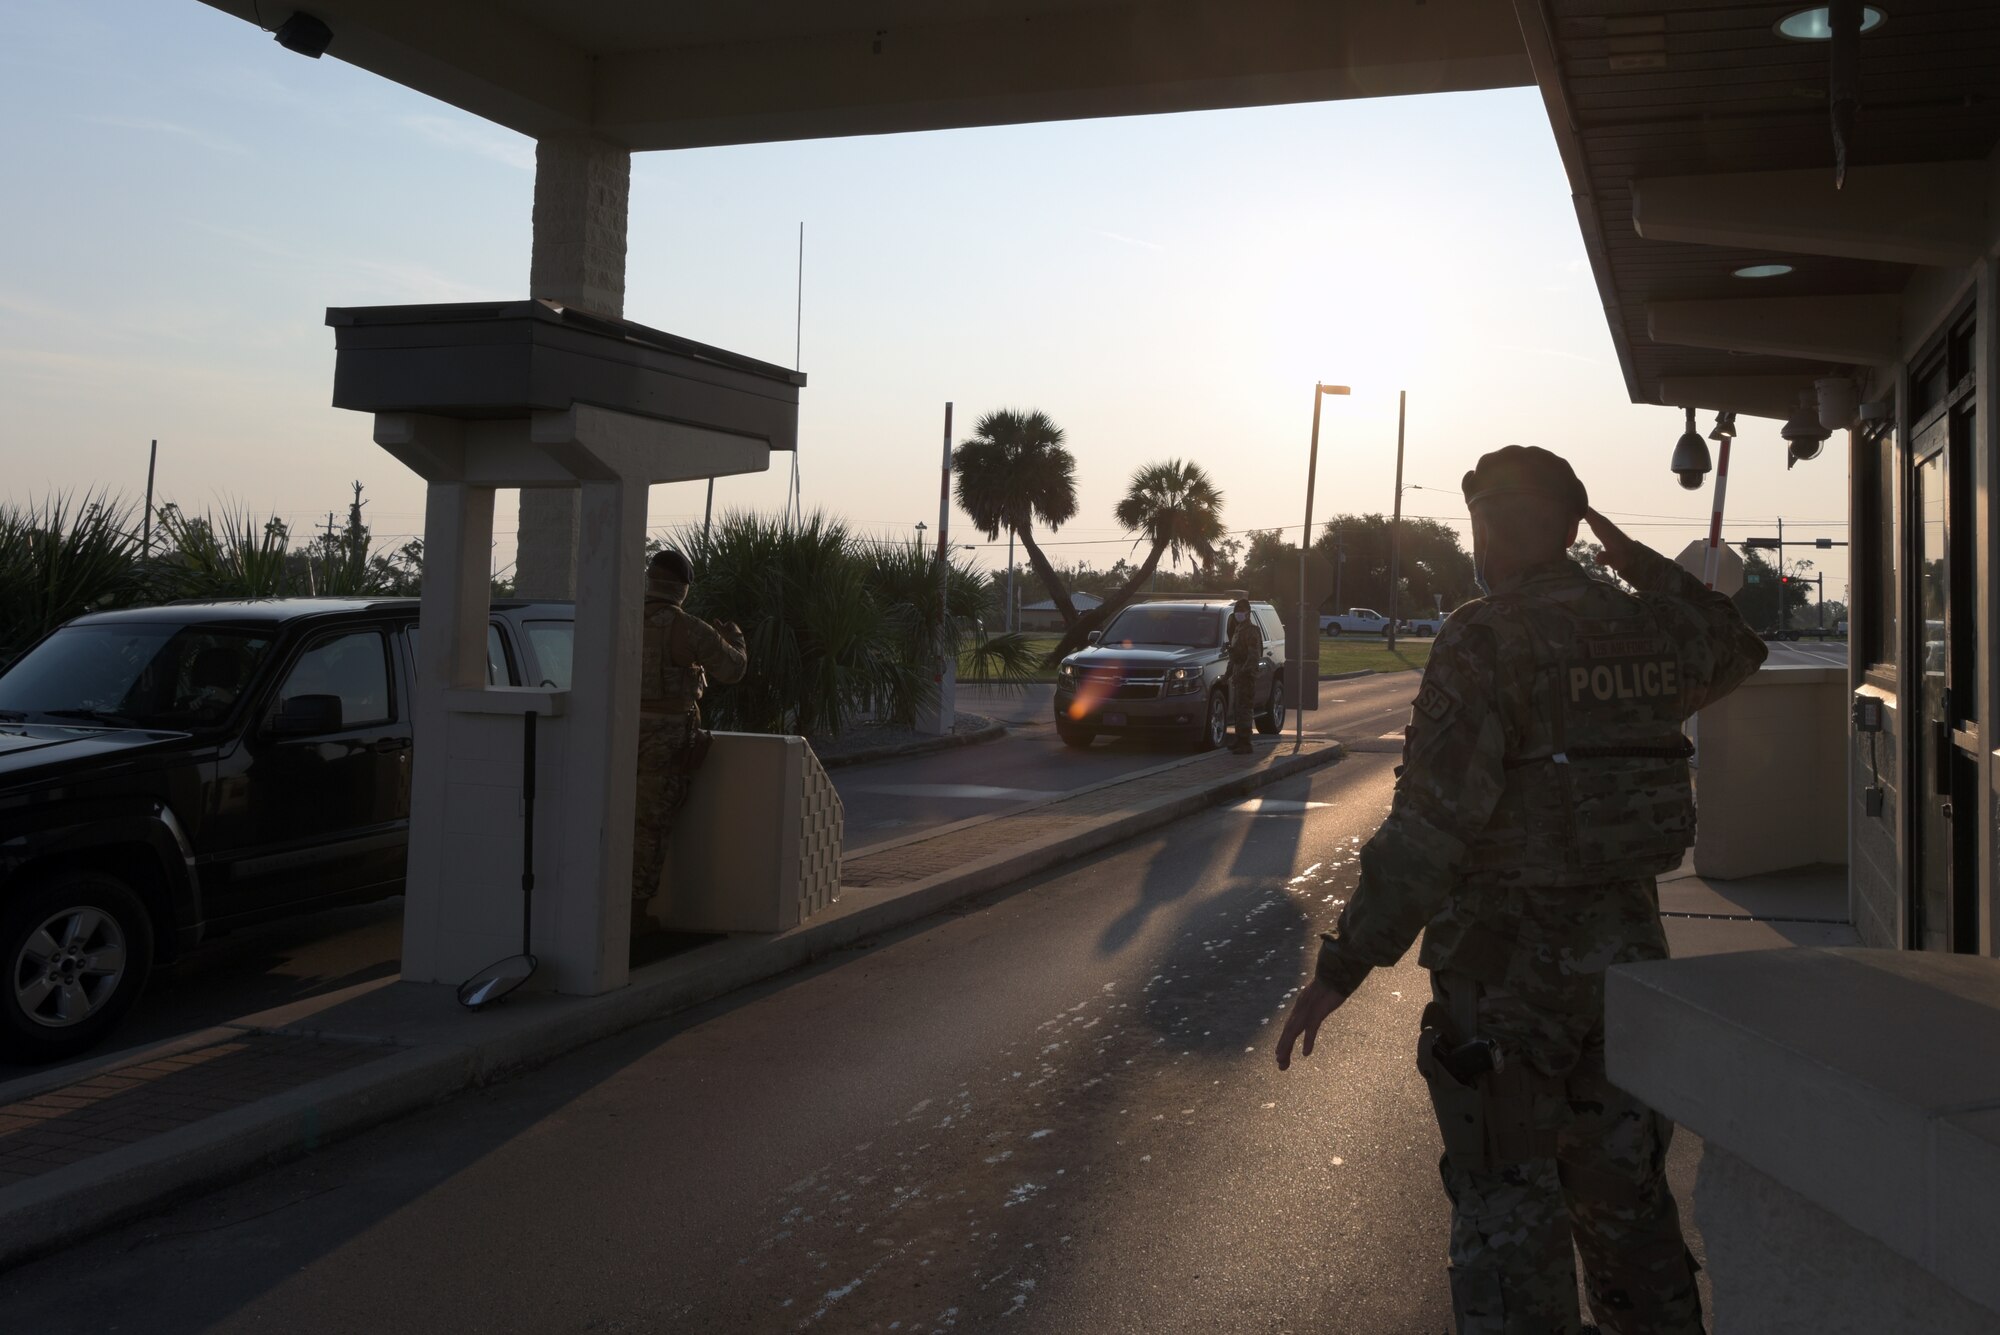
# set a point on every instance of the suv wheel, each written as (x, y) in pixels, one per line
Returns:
(1074, 736)
(78, 950)
(1272, 720)
(1215, 732)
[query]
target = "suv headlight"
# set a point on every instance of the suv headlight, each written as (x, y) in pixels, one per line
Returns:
(1066, 672)
(1184, 681)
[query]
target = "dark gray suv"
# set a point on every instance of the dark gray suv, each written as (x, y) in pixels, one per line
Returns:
(1161, 669)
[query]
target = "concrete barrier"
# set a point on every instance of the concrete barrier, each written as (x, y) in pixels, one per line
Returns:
(1772, 774)
(757, 847)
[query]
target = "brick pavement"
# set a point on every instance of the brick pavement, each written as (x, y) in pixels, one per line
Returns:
(128, 1104)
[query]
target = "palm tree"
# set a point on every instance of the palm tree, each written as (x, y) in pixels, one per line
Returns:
(1013, 471)
(1178, 510)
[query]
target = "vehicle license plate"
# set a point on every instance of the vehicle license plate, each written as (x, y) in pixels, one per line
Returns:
(1114, 720)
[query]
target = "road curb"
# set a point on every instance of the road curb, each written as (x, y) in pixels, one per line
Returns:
(436, 1056)
(992, 732)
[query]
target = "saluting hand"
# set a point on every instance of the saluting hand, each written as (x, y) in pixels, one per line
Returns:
(1616, 546)
(1309, 1012)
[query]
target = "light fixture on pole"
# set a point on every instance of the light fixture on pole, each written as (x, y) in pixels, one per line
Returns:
(1725, 425)
(1305, 544)
(1691, 462)
(1396, 524)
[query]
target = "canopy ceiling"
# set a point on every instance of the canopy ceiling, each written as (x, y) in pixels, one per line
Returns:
(1698, 143)
(656, 74)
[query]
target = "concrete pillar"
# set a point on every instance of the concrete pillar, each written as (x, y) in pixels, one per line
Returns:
(582, 193)
(591, 939)
(458, 535)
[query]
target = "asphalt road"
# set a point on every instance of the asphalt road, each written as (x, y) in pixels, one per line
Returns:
(1054, 1108)
(261, 967)
(1807, 653)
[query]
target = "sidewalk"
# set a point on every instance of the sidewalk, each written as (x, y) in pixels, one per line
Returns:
(1806, 906)
(88, 1145)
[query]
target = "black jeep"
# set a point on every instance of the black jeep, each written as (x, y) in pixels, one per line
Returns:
(168, 772)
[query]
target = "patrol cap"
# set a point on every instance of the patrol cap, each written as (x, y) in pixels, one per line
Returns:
(1526, 468)
(671, 565)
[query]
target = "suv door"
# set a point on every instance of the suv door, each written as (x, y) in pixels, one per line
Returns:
(1274, 649)
(324, 813)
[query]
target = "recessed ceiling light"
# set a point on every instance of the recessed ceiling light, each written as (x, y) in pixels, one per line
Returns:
(1813, 25)
(1763, 270)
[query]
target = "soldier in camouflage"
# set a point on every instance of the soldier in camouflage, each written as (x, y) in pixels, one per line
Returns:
(681, 655)
(1544, 787)
(1246, 647)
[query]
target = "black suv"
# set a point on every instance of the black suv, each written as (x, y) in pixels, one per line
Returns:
(166, 772)
(1162, 669)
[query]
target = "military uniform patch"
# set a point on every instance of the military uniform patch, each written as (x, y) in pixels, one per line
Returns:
(1434, 702)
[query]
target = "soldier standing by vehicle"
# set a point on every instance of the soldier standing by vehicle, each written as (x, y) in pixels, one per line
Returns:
(1246, 648)
(681, 655)
(1545, 785)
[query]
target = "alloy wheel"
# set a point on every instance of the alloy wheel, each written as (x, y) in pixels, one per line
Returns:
(69, 967)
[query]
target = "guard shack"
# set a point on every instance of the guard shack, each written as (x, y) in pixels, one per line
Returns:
(476, 397)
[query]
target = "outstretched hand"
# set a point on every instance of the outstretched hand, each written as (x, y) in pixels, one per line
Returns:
(1616, 547)
(1316, 1002)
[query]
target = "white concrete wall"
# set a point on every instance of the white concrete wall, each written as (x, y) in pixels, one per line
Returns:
(1858, 1092)
(1772, 782)
(757, 847)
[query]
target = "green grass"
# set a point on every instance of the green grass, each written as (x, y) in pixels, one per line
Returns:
(1343, 654)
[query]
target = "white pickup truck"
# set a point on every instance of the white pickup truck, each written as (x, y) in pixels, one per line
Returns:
(1354, 621)
(1367, 621)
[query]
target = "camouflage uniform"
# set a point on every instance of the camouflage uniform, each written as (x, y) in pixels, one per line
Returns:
(1545, 786)
(682, 653)
(1246, 647)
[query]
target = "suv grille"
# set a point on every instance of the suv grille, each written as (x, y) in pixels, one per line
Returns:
(1111, 685)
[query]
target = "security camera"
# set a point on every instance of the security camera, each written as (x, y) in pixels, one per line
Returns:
(1805, 432)
(304, 34)
(1690, 456)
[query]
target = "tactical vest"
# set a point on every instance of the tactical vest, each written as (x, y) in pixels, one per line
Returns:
(670, 681)
(1597, 785)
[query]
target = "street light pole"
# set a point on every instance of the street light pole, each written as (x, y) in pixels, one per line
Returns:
(1396, 524)
(1305, 542)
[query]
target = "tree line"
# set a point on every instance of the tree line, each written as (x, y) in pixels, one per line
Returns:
(66, 555)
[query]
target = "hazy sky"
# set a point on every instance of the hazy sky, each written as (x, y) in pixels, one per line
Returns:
(185, 198)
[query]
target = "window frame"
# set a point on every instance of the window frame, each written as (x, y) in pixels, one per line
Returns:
(326, 635)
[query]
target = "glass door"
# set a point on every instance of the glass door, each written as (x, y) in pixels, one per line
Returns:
(1945, 741)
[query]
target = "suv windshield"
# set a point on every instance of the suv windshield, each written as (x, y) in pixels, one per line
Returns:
(148, 675)
(1188, 627)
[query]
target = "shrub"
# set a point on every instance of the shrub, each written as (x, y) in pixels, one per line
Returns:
(836, 625)
(60, 559)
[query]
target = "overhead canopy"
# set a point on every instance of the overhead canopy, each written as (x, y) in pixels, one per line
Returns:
(652, 75)
(1698, 142)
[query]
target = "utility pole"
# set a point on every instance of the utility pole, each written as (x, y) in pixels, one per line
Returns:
(1010, 579)
(1396, 524)
(1339, 566)
(1782, 586)
(152, 460)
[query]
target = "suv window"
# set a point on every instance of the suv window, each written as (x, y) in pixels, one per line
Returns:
(354, 666)
(554, 643)
(499, 666)
(1274, 630)
(151, 674)
(1191, 627)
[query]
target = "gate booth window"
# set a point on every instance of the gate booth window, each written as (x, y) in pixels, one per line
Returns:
(1942, 644)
